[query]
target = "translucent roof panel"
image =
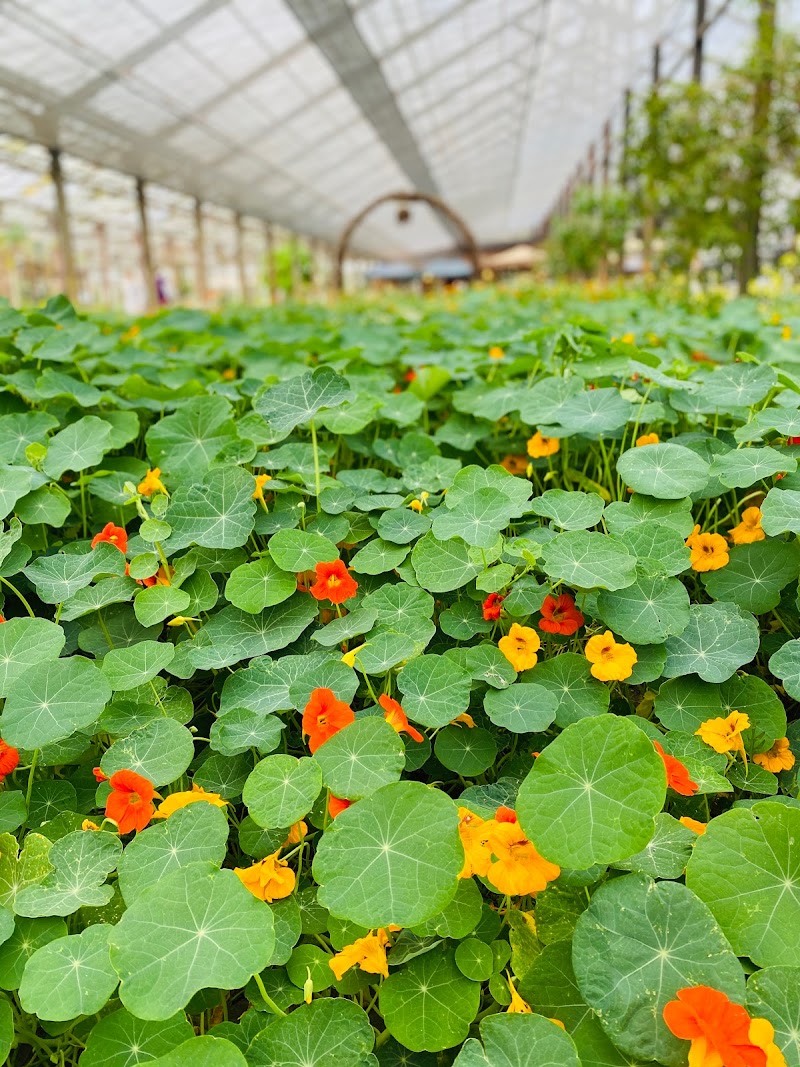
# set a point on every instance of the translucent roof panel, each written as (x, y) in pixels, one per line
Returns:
(304, 111)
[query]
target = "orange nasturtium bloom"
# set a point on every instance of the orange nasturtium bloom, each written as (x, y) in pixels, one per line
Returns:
(560, 616)
(693, 824)
(333, 583)
(175, 801)
(269, 879)
(677, 774)
(474, 832)
(709, 551)
(611, 661)
(324, 716)
(114, 535)
(778, 758)
(9, 759)
(724, 735)
(397, 718)
(647, 439)
(130, 802)
(539, 447)
(151, 483)
(297, 831)
(520, 646)
(496, 352)
(518, 870)
(493, 607)
(722, 1034)
(749, 529)
(514, 464)
(336, 805)
(368, 953)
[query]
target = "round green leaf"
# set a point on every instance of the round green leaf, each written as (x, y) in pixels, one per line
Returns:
(475, 959)
(325, 1032)
(521, 709)
(521, 1040)
(311, 958)
(774, 994)
(570, 511)
(755, 575)
(785, 664)
(206, 1051)
(52, 702)
(160, 751)
(361, 758)
(593, 793)
(281, 789)
(122, 1039)
(719, 639)
(217, 511)
(69, 977)
(743, 467)
(589, 560)
(435, 690)
(568, 678)
(27, 643)
(298, 550)
(392, 858)
(240, 729)
(441, 566)
(666, 471)
(550, 987)
(255, 586)
(81, 863)
(467, 752)
(646, 612)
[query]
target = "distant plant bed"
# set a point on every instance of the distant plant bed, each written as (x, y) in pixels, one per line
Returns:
(410, 684)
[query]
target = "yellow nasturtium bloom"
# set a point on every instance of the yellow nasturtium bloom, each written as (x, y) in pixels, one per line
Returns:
(749, 529)
(517, 1003)
(520, 646)
(647, 439)
(151, 483)
(496, 352)
(610, 660)
(175, 801)
(518, 870)
(349, 658)
(258, 493)
(709, 551)
(724, 735)
(786, 332)
(368, 953)
(539, 447)
(474, 834)
(268, 879)
(778, 758)
(693, 824)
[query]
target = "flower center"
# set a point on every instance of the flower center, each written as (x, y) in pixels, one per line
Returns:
(333, 581)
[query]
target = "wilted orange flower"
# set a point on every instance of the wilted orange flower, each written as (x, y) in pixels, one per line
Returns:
(493, 607)
(514, 464)
(677, 774)
(130, 802)
(693, 824)
(175, 801)
(520, 646)
(474, 832)
(397, 719)
(517, 1003)
(724, 735)
(258, 493)
(336, 805)
(151, 483)
(369, 953)
(333, 583)
(722, 1034)
(269, 879)
(749, 529)
(611, 662)
(324, 716)
(709, 551)
(113, 535)
(778, 758)
(518, 870)
(9, 759)
(87, 824)
(496, 352)
(560, 616)
(464, 717)
(539, 447)
(647, 439)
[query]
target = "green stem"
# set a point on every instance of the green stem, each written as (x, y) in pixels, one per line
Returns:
(317, 478)
(273, 1007)
(19, 595)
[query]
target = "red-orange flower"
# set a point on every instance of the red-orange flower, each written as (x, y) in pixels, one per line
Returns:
(560, 616)
(9, 759)
(324, 716)
(677, 774)
(718, 1029)
(113, 535)
(336, 805)
(130, 802)
(159, 578)
(493, 606)
(504, 814)
(397, 718)
(333, 583)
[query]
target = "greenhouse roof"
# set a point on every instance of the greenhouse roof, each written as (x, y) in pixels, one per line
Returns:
(303, 111)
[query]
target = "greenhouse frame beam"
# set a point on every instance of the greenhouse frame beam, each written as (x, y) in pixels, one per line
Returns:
(240, 263)
(147, 252)
(200, 252)
(62, 226)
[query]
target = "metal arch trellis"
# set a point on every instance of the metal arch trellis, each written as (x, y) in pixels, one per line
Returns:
(470, 245)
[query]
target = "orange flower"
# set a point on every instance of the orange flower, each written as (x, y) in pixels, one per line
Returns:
(496, 352)
(464, 717)
(493, 607)
(410, 376)
(721, 1032)
(709, 551)
(474, 832)
(9, 759)
(611, 662)
(560, 616)
(324, 716)
(539, 447)
(333, 583)
(504, 814)
(677, 774)
(514, 464)
(518, 870)
(130, 802)
(369, 953)
(647, 439)
(693, 824)
(336, 805)
(114, 535)
(749, 529)
(297, 831)
(397, 719)
(778, 758)
(269, 879)
(724, 735)
(520, 646)
(159, 578)
(151, 483)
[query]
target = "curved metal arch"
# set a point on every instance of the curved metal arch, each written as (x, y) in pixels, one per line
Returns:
(470, 245)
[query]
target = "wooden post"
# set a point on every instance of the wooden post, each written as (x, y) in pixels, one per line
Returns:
(656, 63)
(269, 246)
(606, 152)
(147, 254)
(699, 33)
(200, 253)
(68, 282)
(626, 137)
(240, 263)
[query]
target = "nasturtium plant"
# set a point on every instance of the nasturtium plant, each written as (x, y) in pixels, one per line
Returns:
(397, 684)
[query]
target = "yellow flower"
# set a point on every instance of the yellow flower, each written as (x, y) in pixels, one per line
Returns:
(417, 504)
(258, 493)
(496, 352)
(268, 879)
(762, 1034)
(520, 646)
(181, 620)
(779, 758)
(611, 661)
(474, 832)
(724, 735)
(709, 551)
(519, 870)
(628, 338)
(647, 439)
(369, 953)
(87, 824)
(350, 657)
(228, 374)
(749, 529)
(517, 1003)
(464, 717)
(786, 332)
(539, 447)
(151, 483)
(175, 801)
(297, 832)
